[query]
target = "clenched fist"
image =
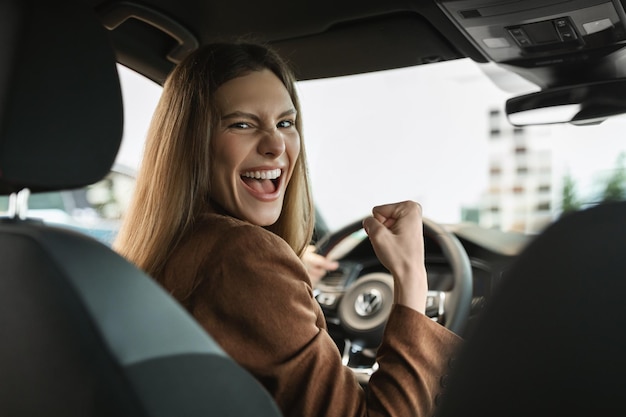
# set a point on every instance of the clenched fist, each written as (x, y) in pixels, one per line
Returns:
(396, 233)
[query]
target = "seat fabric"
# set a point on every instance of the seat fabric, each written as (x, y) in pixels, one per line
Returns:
(552, 340)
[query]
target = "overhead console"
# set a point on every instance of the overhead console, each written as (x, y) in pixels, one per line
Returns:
(573, 50)
(538, 32)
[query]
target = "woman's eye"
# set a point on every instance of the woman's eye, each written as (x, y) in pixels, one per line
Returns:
(240, 125)
(286, 123)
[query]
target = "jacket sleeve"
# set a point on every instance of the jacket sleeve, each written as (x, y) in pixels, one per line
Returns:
(255, 299)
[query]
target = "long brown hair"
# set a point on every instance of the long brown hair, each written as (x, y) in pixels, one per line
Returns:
(173, 184)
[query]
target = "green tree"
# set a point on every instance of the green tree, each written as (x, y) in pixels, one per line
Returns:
(569, 199)
(615, 187)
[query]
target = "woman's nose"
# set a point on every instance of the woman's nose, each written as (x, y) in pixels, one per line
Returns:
(272, 143)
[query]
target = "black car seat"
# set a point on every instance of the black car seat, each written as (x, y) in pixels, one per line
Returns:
(552, 340)
(83, 332)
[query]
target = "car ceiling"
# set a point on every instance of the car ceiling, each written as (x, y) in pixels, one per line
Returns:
(341, 37)
(321, 38)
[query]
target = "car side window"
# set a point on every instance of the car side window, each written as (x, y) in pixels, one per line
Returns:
(97, 209)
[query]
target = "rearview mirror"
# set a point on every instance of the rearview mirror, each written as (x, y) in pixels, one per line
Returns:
(589, 103)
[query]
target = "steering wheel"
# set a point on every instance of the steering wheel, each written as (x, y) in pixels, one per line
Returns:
(357, 303)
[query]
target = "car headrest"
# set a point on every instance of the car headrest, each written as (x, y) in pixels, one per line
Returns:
(552, 336)
(61, 114)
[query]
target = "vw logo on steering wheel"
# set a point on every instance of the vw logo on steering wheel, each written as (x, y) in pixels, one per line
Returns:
(368, 302)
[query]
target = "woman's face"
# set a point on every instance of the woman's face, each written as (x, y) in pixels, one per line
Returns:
(255, 147)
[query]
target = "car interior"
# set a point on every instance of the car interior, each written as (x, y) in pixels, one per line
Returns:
(86, 333)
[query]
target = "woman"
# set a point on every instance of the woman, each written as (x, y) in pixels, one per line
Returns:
(221, 216)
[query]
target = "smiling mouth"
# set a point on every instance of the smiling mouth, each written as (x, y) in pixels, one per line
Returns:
(263, 182)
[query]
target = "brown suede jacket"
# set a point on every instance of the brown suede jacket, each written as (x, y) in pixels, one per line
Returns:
(251, 292)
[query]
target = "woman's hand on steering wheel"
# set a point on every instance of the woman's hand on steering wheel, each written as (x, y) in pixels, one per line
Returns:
(317, 265)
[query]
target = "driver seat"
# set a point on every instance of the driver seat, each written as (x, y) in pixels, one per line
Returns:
(85, 333)
(552, 340)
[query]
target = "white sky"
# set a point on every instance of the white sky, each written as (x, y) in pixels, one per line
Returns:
(418, 133)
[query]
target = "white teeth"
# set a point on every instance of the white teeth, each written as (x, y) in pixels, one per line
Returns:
(263, 175)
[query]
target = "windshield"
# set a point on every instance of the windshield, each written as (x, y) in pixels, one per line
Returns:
(438, 134)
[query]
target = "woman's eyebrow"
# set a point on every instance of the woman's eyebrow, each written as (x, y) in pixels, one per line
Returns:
(289, 112)
(240, 114)
(246, 115)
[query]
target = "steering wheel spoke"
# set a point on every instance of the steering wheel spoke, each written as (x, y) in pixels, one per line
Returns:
(436, 305)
